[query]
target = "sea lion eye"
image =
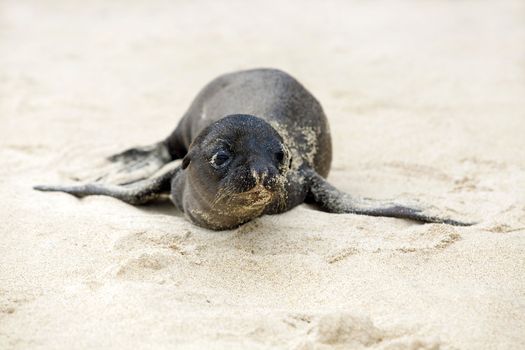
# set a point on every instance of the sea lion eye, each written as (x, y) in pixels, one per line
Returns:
(220, 159)
(279, 155)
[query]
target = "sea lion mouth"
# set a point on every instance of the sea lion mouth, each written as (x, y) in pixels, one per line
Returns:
(257, 196)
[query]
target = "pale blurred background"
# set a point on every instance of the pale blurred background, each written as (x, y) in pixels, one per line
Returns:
(453, 68)
(426, 100)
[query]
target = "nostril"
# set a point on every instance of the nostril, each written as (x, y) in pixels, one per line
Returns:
(271, 178)
(259, 175)
(263, 174)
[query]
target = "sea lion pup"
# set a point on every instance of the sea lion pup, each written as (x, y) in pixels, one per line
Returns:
(253, 142)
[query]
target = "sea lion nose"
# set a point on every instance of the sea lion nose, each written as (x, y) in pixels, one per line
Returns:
(263, 174)
(259, 173)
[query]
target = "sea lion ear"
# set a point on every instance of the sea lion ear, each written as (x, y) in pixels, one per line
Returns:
(186, 161)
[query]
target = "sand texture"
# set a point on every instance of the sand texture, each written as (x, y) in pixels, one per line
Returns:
(426, 101)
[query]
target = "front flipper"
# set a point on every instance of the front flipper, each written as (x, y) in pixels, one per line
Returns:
(132, 165)
(332, 200)
(140, 192)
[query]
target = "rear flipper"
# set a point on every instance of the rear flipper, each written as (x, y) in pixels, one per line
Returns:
(140, 192)
(132, 165)
(330, 199)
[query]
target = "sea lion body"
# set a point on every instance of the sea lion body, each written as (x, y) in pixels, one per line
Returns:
(269, 94)
(278, 99)
(252, 142)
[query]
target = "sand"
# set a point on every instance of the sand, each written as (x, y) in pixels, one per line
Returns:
(426, 101)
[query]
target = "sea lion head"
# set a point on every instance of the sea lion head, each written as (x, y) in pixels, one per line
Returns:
(239, 164)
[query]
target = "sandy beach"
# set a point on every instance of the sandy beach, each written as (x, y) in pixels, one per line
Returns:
(426, 102)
